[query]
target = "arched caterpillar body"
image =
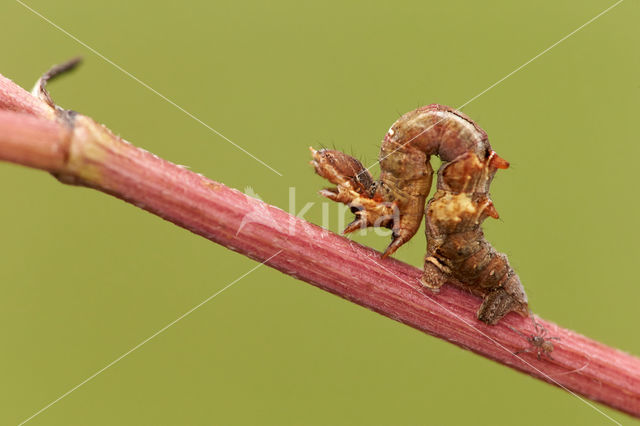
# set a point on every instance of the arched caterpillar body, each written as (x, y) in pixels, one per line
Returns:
(456, 246)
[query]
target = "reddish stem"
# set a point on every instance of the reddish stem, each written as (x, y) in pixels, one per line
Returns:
(15, 98)
(22, 138)
(92, 156)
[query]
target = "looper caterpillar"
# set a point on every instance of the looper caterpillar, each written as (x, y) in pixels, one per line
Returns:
(456, 247)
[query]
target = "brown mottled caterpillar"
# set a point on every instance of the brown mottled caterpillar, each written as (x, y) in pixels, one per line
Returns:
(456, 247)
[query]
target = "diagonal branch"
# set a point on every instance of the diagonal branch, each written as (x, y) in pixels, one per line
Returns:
(79, 151)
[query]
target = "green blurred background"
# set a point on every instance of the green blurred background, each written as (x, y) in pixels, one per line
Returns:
(85, 277)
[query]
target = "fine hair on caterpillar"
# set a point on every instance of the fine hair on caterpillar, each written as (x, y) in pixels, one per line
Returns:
(456, 248)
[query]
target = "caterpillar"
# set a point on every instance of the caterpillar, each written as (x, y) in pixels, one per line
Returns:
(456, 248)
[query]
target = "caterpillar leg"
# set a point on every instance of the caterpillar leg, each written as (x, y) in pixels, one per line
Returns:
(433, 277)
(497, 304)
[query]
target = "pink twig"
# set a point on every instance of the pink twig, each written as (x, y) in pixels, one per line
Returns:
(86, 153)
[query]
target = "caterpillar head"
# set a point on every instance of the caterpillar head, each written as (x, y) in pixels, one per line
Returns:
(355, 187)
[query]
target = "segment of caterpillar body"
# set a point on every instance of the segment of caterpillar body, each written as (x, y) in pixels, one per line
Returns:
(456, 245)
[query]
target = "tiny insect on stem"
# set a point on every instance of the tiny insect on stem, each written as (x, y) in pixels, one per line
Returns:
(540, 343)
